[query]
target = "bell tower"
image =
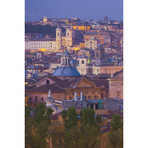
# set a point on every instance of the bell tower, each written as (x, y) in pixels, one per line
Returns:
(65, 59)
(69, 41)
(58, 38)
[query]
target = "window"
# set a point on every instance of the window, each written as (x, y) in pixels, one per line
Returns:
(82, 62)
(97, 54)
(36, 99)
(89, 97)
(42, 99)
(91, 106)
(30, 100)
(96, 106)
(96, 97)
(102, 95)
(118, 94)
(70, 98)
(47, 82)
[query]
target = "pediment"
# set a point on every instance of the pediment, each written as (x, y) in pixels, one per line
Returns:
(44, 81)
(84, 83)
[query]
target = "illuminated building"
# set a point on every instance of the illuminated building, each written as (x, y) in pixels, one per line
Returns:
(44, 19)
(43, 44)
(82, 45)
(81, 28)
(91, 43)
(63, 41)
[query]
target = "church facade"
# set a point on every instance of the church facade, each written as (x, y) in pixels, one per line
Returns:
(62, 41)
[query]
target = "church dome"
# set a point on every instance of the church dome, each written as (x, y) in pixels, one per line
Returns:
(66, 71)
(66, 68)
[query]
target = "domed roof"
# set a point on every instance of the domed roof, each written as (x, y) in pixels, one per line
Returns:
(66, 71)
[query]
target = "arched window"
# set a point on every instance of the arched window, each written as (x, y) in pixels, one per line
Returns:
(66, 61)
(89, 97)
(47, 82)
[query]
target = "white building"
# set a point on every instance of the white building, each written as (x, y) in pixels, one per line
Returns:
(36, 44)
(51, 45)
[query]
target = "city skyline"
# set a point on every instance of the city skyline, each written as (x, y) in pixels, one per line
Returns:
(84, 9)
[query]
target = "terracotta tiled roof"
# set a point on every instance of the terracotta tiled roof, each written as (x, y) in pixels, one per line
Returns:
(45, 88)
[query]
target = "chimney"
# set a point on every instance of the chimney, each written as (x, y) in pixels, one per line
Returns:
(112, 74)
(81, 96)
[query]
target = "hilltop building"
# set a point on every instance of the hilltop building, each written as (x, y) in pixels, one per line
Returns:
(62, 41)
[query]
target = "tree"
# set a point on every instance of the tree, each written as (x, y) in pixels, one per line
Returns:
(28, 126)
(116, 122)
(90, 131)
(70, 118)
(72, 138)
(36, 127)
(99, 119)
(116, 134)
(115, 139)
(87, 117)
(43, 29)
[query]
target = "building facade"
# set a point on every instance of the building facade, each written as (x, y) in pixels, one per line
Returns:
(64, 41)
(52, 44)
(91, 43)
(48, 45)
(116, 85)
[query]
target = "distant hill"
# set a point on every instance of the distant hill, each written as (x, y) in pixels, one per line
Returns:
(43, 29)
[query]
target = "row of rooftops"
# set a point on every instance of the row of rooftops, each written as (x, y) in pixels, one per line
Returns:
(60, 85)
(43, 39)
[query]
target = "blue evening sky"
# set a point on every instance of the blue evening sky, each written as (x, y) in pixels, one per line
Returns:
(84, 9)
